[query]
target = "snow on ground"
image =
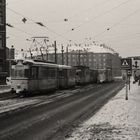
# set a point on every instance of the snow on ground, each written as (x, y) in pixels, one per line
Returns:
(18, 103)
(119, 119)
(4, 88)
(13, 104)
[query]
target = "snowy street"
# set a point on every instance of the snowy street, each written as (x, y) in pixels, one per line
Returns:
(119, 119)
(53, 117)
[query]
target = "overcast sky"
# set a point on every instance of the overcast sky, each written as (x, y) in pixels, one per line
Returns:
(113, 22)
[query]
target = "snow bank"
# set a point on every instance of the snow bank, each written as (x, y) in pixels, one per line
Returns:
(118, 119)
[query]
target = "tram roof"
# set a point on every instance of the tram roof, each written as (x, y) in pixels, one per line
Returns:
(38, 63)
(64, 66)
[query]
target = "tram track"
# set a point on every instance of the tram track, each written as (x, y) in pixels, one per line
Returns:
(15, 104)
(45, 120)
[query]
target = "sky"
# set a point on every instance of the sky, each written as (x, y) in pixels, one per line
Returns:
(113, 22)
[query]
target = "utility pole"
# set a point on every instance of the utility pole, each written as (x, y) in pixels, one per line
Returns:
(62, 50)
(46, 54)
(67, 54)
(47, 49)
(79, 53)
(55, 52)
(87, 58)
(11, 57)
(31, 53)
(41, 53)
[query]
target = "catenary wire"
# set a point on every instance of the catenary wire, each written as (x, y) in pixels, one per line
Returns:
(48, 29)
(98, 16)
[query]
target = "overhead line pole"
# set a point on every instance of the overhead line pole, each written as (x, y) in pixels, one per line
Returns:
(62, 50)
(67, 54)
(55, 52)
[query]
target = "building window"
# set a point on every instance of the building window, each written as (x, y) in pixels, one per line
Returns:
(0, 17)
(91, 55)
(1, 46)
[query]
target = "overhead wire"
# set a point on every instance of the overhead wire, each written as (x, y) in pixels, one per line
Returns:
(98, 16)
(129, 38)
(79, 13)
(122, 35)
(60, 35)
(80, 25)
(89, 9)
(48, 29)
(18, 29)
(128, 16)
(117, 23)
(15, 1)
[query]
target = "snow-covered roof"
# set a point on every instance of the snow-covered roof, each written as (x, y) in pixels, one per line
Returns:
(92, 48)
(95, 48)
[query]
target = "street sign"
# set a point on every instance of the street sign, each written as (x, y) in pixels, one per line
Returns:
(135, 63)
(126, 63)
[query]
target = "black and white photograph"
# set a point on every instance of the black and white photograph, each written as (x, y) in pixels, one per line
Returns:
(70, 70)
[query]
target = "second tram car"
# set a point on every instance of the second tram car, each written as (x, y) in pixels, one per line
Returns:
(66, 76)
(93, 76)
(104, 75)
(82, 75)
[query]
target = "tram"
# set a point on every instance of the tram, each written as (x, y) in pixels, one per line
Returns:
(32, 76)
(104, 75)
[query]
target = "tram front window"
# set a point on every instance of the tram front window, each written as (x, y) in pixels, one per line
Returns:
(22, 73)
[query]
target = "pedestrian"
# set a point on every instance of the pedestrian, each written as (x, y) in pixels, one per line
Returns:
(139, 80)
(134, 77)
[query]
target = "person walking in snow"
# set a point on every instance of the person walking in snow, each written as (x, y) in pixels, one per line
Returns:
(139, 80)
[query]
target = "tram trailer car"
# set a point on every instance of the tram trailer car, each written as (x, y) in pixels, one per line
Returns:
(82, 75)
(104, 75)
(66, 76)
(93, 76)
(30, 76)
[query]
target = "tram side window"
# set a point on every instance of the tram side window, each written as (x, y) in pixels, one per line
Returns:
(79, 73)
(87, 72)
(27, 73)
(63, 73)
(34, 72)
(51, 72)
(42, 72)
(18, 73)
(46, 72)
(72, 73)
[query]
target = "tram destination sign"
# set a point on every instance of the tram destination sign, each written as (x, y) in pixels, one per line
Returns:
(126, 63)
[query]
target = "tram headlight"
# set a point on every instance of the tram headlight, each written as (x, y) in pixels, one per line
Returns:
(18, 86)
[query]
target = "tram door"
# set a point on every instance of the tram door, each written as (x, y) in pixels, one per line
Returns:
(63, 78)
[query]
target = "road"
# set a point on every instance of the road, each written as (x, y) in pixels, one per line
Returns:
(54, 119)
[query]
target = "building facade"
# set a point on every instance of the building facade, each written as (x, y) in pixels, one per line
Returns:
(92, 60)
(10, 56)
(2, 41)
(101, 59)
